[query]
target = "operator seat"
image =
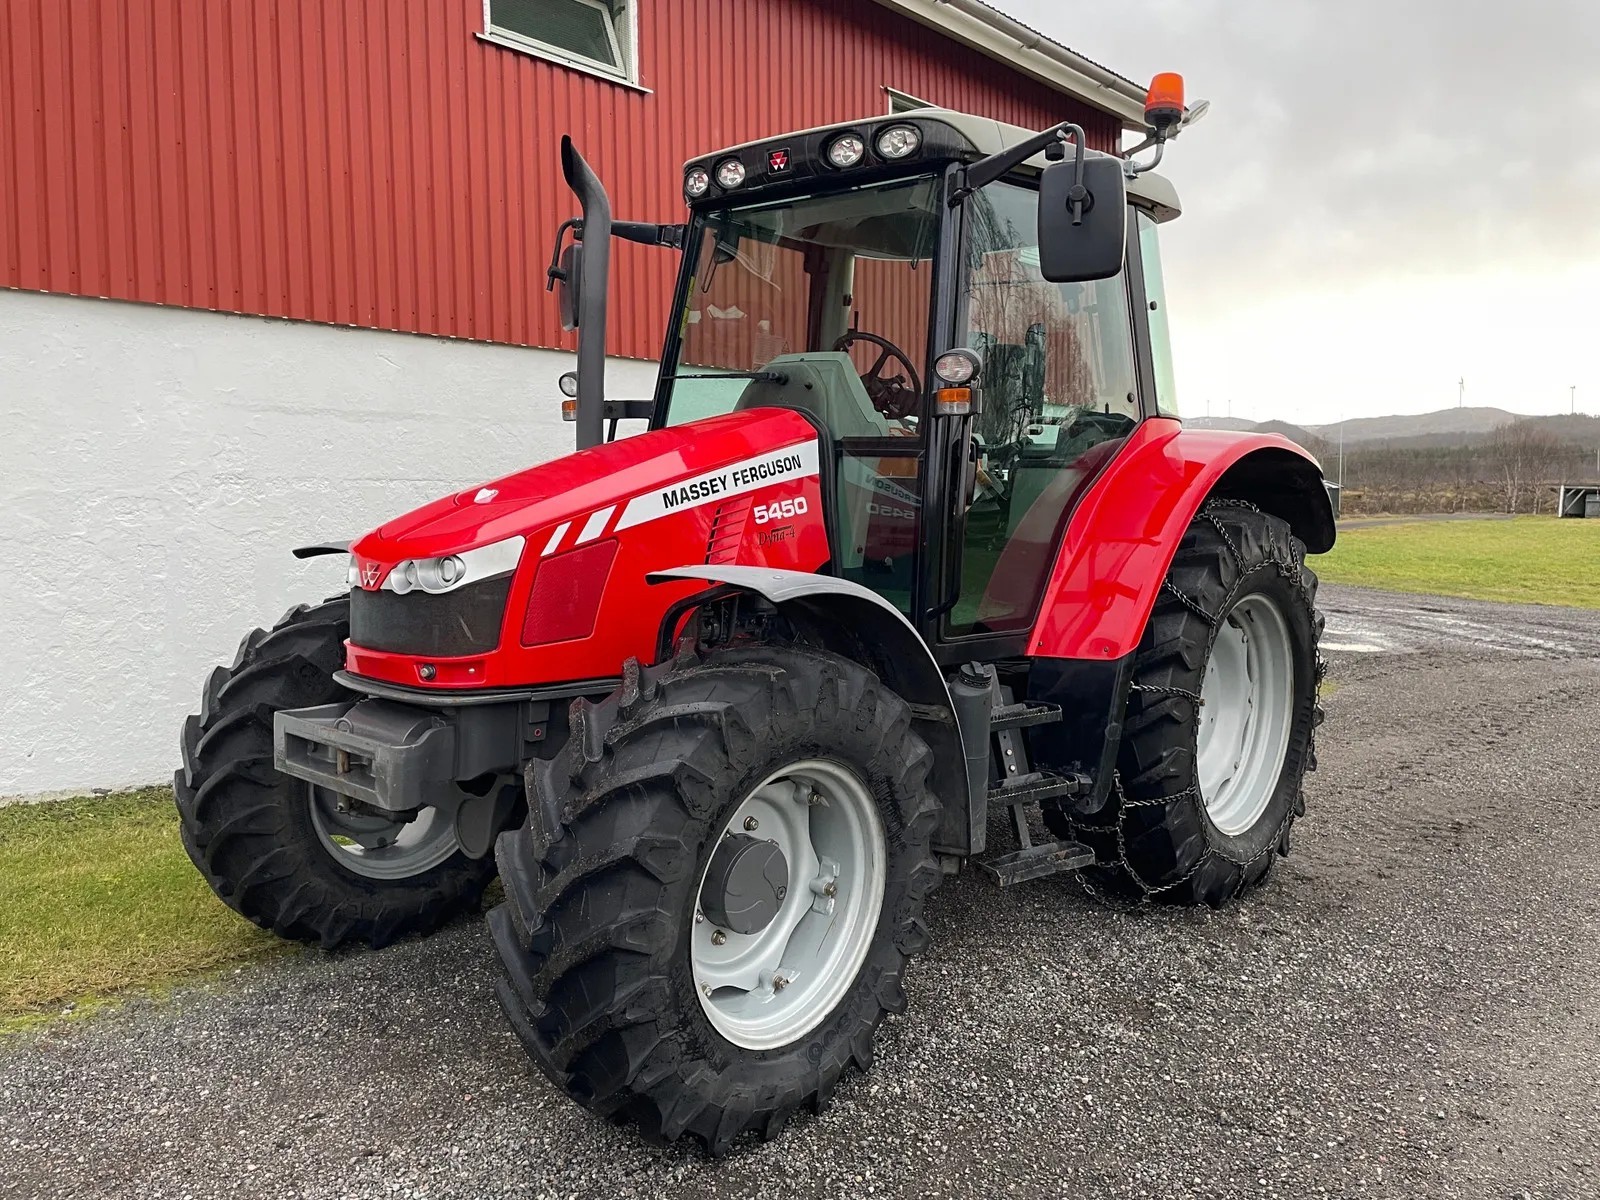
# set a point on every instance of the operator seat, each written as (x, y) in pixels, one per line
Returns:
(826, 385)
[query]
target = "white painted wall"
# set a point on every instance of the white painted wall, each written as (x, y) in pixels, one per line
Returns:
(156, 467)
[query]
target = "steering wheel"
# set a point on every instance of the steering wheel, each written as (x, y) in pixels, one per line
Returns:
(894, 397)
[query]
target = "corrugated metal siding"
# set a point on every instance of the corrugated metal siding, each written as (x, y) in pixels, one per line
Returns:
(371, 162)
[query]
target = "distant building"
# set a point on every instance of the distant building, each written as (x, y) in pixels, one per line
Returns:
(222, 223)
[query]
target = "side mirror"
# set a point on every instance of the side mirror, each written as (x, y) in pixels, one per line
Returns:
(569, 284)
(1082, 235)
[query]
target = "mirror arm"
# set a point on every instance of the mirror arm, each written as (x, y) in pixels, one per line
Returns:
(648, 233)
(555, 274)
(1051, 142)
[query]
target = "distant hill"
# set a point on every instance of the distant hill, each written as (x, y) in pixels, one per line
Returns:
(1446, 421)
(1449, 427)
(1454, 460)
(1295, 433)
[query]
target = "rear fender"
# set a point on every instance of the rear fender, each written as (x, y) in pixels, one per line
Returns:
(1122, 537)
(861, 625)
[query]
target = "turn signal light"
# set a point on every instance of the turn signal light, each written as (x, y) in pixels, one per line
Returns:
(1163, 103)
(953, 401)
(565, 599)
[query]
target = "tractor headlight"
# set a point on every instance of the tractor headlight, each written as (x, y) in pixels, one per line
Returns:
(730, 173)
(846, 150)
(958, 367)
(448, 572)
(696, 183)
(899, 141)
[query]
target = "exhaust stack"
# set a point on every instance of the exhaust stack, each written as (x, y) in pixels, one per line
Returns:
(594, 268)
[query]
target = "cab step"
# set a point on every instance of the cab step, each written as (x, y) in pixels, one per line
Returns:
(1037, 785)
(1023, 714)
(1035, 862)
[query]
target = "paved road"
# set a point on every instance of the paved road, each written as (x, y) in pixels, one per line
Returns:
(1367, 621)
(1411, 1007)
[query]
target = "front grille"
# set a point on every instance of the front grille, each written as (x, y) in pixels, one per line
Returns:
(446, 625)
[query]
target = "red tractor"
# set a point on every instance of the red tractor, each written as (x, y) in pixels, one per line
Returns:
(915, 543)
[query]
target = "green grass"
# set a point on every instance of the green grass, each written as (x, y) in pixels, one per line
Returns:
(1531, 560)
(98, 899)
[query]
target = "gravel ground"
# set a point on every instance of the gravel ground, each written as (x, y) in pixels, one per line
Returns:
(1410, 1007)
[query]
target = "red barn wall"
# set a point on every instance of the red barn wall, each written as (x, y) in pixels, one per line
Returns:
(372, 163)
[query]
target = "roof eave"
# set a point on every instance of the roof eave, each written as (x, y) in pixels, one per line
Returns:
(992, 33)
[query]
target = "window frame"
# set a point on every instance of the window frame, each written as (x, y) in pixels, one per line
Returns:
(627, 49)
(1150, 354)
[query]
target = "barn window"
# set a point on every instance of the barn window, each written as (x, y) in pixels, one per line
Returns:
(592, 35)
(900, 102)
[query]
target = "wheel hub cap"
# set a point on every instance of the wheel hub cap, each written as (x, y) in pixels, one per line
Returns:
(745, 884)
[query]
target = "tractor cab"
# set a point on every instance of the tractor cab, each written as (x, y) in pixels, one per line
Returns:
(859, 275)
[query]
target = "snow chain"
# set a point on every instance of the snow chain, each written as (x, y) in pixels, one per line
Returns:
(1289, 565)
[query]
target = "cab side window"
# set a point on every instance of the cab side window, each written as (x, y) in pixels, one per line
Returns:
(1059, 396)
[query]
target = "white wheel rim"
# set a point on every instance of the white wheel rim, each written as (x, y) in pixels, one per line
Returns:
(765, 989)
(1247, 707)
(377, 846)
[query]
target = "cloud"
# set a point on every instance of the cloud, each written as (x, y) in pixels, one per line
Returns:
(1385, 195)
(1370, 136)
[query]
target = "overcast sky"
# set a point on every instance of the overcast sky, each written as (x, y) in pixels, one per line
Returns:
(1386, 195)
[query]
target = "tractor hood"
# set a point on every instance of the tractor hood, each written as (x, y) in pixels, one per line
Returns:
(582, 485)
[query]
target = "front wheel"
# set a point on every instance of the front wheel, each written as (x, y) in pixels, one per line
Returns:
(294, 858)
(711, 906)
(1220, 720)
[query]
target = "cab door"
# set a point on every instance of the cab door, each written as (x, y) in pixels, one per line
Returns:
(1061, 396)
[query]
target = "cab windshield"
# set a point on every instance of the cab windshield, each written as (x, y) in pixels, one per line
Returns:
(848, 273)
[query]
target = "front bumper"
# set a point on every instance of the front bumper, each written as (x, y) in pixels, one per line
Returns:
(387, 755)
(399, 748)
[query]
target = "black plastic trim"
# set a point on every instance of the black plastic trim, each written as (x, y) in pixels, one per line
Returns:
(1093, 695)
(465, 697)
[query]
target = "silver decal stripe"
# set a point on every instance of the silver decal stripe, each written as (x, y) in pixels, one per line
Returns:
(776, 466)
(595, 525)
(555, 539)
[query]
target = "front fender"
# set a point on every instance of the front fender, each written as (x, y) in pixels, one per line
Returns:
(1122, 537)
(899, 656)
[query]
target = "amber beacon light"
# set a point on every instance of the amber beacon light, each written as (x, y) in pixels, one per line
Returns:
(1163, 103)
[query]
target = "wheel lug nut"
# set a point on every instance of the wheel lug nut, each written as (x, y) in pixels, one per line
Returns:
(779, 983)
(718, 937)
(830, 889)
(782, 892)
(706, 988)
(750, 823)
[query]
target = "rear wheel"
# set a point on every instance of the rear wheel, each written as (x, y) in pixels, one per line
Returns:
(1221, 717)
(299, 860)
(710, 908)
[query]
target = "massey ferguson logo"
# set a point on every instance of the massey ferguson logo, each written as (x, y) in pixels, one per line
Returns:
(369, 575)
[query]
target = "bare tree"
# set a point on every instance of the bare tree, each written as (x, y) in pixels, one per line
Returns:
(1523, 456)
